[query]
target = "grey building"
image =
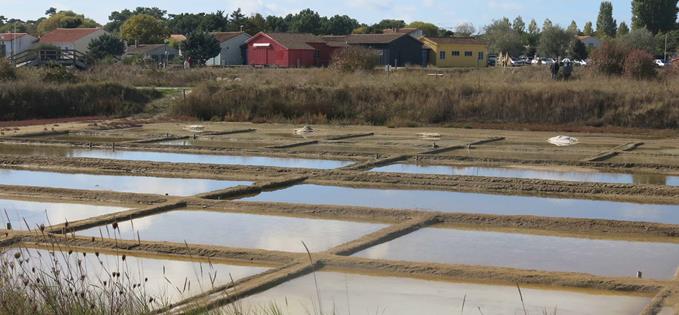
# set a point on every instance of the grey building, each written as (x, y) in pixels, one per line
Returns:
(233, 49)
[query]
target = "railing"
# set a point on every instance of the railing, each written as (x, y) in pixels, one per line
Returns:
(50, 56)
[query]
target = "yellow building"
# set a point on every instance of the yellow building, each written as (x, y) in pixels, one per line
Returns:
(456, 52)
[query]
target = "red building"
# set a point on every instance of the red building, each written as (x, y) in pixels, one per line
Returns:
(288, 50)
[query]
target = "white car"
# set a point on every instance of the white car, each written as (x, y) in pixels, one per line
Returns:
(659, 63)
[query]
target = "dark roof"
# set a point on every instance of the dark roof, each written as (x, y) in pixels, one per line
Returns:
(147, 48)
(457, 40)
(66, 35)
(365, 39)
(404, 30)
(224, 36)
(294, 40)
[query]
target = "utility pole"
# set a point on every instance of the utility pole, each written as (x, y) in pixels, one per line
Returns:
(664, 61)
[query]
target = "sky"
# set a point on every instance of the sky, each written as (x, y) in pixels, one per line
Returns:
(444, 13)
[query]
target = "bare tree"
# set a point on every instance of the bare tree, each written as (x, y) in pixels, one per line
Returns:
(465, 29)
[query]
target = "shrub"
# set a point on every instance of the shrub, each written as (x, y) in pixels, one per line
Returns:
(639, 64)
(59, 74)
(609, 59)
(7, 70)
(353, 58)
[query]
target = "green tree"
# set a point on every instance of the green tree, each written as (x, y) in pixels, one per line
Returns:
(388, 24)
(276, 24)
(503, 38)
(588, 30)
(554, 42)
(547, 24)
(428, 29)
(117, 18)
(465, 30)
(339, 25)
(654, 15)
(106, 46)
(201, 46)
(573, 28)
(606, 26)
(144, 29)
(639, 39)
(51, 11)
(623, 29)
(671, 42)
(64, 19)
(255, 24)
(533, 27)
(578, 50)
(532, 38)
(519, 25)
(306, 21)
(236, 20)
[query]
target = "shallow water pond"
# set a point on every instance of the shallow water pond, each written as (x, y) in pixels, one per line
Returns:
(133, 184)
(173, 157)
(576, 175)
(525, 251)
(447, 201)
(344, 294)
(240, 230)
(48, 213)
(164, 280)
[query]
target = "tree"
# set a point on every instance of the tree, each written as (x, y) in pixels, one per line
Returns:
(518, 25)
(503, 38)
(532, 38)
(276, 24)
(428, 29)
(236, 20)
(306, 21)
(184, 23)
(639, 39)
(465, 30)
(388, 24)
(606, 26)
(144, 29)
(573, 28)
(671, 42)
(547, 24)
(255, 24)
(654, 15)
(51, 11)
(105, 46)
(65, 19)
(588, 30)
(578, 50)
(554, 42)
(117, 18)
(623, 29)
(339, 25)
(533, 27)
(201, 46)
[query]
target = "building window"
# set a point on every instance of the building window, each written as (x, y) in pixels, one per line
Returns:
(456, 53)
(480, 55)
(442, 55)
(468, 54)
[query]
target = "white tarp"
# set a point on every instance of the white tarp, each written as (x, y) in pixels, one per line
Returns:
(563, 141)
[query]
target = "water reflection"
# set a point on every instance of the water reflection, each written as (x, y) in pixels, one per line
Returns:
(240, 230)
(344, 294)
(447, 201)
(600, 257)
(510, 172)
(34, 214)
(168, 280)
(174, 157)
(135, 184)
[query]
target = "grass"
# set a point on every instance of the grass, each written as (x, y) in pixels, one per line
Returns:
(413, 98)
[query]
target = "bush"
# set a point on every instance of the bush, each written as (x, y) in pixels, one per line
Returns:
(27, 100)
(639, 64)
(353, 58)
(609, 59)
(59, 74)
(7, 70)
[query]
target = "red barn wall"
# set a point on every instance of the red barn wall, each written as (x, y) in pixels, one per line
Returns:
(275, 54)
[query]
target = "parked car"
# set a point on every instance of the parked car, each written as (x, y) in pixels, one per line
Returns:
(492, 60)
(660, 63)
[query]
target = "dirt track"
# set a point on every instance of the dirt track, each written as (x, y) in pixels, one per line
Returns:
(363, 146)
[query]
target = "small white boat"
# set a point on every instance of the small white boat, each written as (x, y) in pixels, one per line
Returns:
(563, 141)
(304, 130)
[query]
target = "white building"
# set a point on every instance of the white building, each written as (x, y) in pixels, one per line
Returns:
(15, 43)
(590, 41)
(232, 45)
(72, 38)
